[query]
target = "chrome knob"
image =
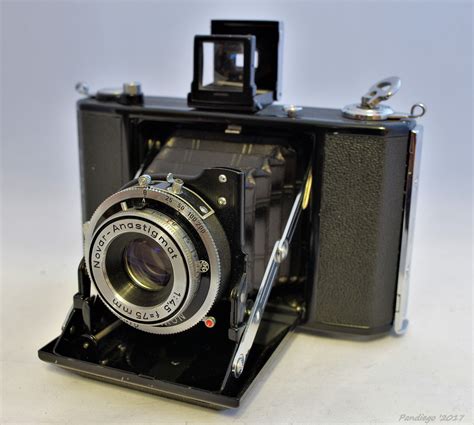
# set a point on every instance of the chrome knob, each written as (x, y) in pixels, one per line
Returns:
(133, 88)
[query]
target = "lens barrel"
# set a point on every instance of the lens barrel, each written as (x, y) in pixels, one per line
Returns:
(145, 255)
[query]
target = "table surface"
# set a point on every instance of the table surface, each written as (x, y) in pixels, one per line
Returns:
(315, 379)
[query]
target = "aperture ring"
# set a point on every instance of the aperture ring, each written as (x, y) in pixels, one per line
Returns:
(179, 249)
(202, 225)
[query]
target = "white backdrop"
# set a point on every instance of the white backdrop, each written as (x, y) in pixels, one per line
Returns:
(333, 52)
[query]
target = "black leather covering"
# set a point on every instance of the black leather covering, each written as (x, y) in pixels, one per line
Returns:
(361, 204)
(104, 158)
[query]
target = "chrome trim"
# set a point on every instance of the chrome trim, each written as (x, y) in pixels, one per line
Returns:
(357, 112)
(380, 91)
(279, 254)
(369, 107)
(400, 322)
(146, 317)
(180, 203)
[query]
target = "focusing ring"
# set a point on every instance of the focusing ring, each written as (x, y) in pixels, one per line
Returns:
(177, 246)
(189, 208)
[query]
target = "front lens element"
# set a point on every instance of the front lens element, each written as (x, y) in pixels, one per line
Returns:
(147, 265)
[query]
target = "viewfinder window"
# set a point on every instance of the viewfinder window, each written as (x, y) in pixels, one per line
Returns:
(222, 66)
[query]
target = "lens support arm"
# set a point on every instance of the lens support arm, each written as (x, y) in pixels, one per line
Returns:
(279, 254)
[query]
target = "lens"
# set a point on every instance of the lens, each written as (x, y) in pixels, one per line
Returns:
(148, 271)
(147, 264)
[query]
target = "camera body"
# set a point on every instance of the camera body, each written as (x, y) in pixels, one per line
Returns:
(354, 228)
(282, 218)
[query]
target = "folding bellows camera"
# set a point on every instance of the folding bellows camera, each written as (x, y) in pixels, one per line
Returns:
(215, 227)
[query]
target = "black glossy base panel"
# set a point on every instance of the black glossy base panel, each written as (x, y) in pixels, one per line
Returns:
(193, 366)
